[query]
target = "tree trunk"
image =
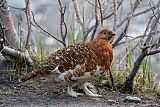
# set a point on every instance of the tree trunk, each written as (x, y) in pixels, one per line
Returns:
(10, 32)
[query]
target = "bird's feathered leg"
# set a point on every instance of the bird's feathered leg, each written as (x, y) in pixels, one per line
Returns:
(88, 92)
(71, 92)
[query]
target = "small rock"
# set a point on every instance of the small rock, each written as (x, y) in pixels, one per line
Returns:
(110, 102)
(2, 104)
(43, 80)
(104, 82)
(132, 99)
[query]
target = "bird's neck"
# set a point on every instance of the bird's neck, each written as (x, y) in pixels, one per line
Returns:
(103, 50)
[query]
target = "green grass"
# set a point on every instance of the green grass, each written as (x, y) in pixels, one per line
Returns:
(148, 88)
(17, 68)
(72, 39)
(42, 53)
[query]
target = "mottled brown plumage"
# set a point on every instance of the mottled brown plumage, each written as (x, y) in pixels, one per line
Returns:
(79, 63)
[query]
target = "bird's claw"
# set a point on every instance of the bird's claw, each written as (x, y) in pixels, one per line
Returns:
(94, 95)
(73, 93)
(89, 92)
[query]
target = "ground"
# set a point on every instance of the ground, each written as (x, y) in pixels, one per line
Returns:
(42, 93)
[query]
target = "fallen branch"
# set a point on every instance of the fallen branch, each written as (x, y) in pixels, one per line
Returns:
(15, 54)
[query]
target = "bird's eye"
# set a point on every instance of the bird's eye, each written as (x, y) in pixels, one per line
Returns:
(105, 33)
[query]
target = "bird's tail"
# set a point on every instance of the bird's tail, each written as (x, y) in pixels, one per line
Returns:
(42, 69)
(29, 75)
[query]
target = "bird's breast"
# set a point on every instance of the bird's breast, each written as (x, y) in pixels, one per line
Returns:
(103, 51)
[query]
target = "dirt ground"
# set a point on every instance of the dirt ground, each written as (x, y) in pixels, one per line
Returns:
(50, 94)
(42, 93)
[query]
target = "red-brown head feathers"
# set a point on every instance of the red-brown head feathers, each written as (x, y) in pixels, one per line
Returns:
(106, 34)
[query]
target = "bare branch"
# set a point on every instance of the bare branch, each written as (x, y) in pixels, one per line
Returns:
(63, 25)
(119, 3)
(28, 16)
(122, 35)
(21, 9)
(115, 15)
(101, 13)
(153, 52)
(128, 85)
(21, 56)
(111, 14)
(138, 37)
(79, 20)
(97, 21)
(148, 46)
(154, 14)
(37, 25)
(137, 14)
(2, 39)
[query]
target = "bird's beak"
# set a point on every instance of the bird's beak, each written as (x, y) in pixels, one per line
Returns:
(113, 35)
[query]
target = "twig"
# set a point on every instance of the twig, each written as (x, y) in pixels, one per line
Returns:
(45, 30)
(115, 15)
(28, 17)
(153, 52)
(79, 20)
(21, 9)
(111, 14)
(2, 39)
(92, 4)
(125, 19)
(154, 14)
(138, 37)
(62, 22)
(97, 21)
(148, 46)
(137, 14)
(101, 13)
(119, 3)
(122, 35)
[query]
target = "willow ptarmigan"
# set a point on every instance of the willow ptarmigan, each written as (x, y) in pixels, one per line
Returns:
(79, 63)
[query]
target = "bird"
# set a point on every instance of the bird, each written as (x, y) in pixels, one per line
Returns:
(78, 64)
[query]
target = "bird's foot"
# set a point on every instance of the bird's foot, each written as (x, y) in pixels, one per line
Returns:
(73, 93)
(89, 92)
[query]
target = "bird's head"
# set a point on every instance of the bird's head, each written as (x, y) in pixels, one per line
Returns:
(106, 34)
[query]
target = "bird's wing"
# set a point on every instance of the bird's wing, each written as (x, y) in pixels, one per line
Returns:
(71, 56)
